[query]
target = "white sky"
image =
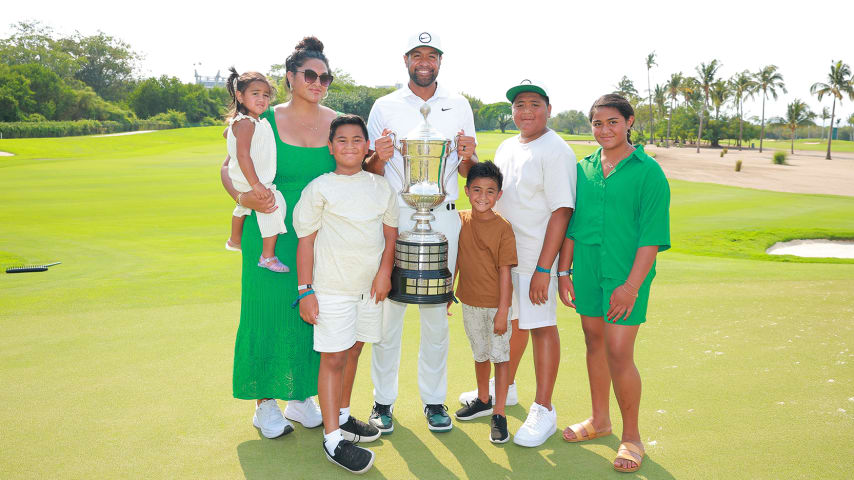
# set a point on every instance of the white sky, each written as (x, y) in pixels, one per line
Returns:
(580, 50)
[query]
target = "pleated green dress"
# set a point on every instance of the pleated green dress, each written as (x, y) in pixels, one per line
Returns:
(273, 354)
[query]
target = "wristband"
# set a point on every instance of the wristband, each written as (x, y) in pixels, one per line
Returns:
(543, 270)
(300, 297)
(565, 274)
(304, 287)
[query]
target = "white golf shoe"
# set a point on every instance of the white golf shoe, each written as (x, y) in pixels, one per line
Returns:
(268, 418)
(538, 427)
(512, 396)
(306, 412)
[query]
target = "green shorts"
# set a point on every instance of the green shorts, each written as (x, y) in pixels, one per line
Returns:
(593, 293)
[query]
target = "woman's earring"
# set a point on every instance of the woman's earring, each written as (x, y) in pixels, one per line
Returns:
(326, 95)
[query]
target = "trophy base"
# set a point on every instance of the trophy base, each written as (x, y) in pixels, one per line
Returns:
(421, 274)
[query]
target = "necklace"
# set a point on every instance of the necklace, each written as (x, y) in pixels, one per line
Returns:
(310, 127)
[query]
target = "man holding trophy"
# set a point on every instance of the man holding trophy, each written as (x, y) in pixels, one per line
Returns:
(439, 142)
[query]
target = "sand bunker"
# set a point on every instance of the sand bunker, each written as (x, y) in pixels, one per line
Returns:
(814, 248)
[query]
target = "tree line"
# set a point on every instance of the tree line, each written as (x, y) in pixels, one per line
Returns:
(49, 77)
(680, 109)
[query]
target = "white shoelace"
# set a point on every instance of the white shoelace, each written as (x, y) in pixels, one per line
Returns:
(533, 419)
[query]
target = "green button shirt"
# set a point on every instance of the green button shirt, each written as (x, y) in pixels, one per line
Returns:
(627, 210)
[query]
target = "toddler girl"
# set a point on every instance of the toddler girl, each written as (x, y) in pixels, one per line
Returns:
(251, 143)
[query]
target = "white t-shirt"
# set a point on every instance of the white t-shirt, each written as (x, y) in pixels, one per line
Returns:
(539, 178)
(347, 212)
(399, 111)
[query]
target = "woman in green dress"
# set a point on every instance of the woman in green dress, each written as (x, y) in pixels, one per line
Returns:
(273, 355)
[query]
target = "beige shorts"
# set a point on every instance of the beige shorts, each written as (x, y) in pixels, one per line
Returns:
(530, 315)
(485, 344)
(343, 320)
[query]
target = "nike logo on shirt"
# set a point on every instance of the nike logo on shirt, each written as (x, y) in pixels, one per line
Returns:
(446, 109)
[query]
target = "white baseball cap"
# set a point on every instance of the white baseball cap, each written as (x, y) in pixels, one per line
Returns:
(424, 39)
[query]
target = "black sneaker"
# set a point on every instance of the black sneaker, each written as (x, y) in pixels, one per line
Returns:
(473, 409)
(358, 431)
(350, 457)
(437, 417)
(381, 418)
(498, 433)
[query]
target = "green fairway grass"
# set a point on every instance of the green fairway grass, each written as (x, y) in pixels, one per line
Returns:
(117, 363)
(809, 144)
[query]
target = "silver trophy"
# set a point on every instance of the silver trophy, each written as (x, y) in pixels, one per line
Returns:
(421, 273)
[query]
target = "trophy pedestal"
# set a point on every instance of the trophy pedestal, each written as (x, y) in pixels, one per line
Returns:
(421, 274)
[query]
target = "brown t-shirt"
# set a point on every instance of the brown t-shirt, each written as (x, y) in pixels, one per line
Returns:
(484, 246)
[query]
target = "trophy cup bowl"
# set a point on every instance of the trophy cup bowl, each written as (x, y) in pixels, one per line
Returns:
(421, 273)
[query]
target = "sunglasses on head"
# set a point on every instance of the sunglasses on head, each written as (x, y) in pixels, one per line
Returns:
(311, 76)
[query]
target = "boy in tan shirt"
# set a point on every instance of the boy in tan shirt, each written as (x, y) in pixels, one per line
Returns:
(487, 252)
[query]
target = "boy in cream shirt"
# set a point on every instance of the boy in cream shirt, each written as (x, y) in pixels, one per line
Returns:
(346, 222)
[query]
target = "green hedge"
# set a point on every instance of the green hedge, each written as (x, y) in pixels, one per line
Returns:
(77, 127)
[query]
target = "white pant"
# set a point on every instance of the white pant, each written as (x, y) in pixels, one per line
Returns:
(433, 353)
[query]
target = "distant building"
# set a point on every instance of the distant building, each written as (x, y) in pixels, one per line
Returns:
(396, 86)
(210, 82)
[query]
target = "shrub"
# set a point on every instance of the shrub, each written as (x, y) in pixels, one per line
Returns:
(210, 121)
(779, 158)
(738, 165)
(60, 129)
(173, 117)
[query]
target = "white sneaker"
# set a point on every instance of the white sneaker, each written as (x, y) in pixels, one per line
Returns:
(512, 396)
(538, 427)
(306, 412)
(268, 418)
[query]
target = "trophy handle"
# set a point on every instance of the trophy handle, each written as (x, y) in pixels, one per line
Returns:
(448, 175)
(389, 163)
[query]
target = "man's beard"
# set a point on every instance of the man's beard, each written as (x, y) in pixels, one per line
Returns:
(422, 83)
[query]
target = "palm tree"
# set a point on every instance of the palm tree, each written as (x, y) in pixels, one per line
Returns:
(705, 78)
(674, 88)
(659, 96)
(839, 81)
(797, 113)
(825, 115)
(768, 80)
(742, 86)
(626, 88)
(719, 93)
(650, 62)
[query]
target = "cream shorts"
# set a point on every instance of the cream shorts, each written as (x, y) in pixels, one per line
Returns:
(530, 315)
(485, 344)
(343, 320)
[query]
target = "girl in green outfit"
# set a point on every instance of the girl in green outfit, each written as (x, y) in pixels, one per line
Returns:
(273, 354)
(620, 223)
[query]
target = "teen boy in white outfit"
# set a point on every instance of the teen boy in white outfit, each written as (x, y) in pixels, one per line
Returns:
(539, 196)
(398, 112)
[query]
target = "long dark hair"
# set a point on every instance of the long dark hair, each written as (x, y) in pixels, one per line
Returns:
(619, 102)
(308, 47)
(239, 83)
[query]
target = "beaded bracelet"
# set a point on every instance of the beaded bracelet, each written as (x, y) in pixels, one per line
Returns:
(565, 273)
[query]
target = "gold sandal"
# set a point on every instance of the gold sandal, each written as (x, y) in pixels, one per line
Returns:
(588, 429)
(626, 451)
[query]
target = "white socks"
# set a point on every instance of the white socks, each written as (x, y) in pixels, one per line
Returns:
(331, 440)
(343, 415)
